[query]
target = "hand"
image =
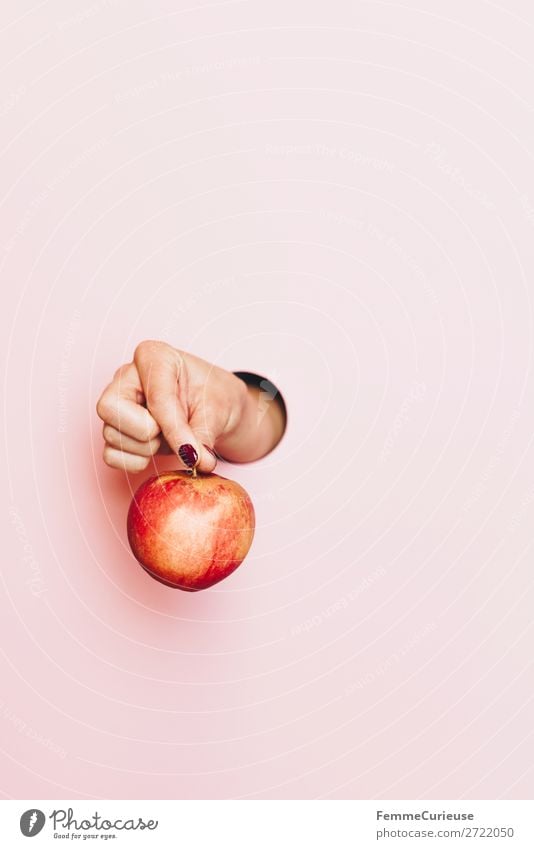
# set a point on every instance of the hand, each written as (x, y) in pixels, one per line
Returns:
(167, 399)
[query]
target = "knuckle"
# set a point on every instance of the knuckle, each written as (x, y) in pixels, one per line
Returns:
(103, 407)
(147, 348)
(153, 432)
(121, 371)
(154, 444)
(108, 433)
(108, 455)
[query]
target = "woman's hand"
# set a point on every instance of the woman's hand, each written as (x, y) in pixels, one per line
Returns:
(169, 401)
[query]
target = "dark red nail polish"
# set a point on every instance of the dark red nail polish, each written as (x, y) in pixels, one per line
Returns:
(210, 450)
(188, 455)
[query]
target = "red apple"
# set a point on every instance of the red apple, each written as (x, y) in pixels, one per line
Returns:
(190, 531)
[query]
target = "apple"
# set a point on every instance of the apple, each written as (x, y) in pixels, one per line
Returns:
(190, 530)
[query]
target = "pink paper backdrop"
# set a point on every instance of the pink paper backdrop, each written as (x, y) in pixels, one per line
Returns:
(339, 196)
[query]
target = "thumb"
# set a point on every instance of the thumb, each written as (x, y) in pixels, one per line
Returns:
(159, 372)
(204, 428)
(162, 377)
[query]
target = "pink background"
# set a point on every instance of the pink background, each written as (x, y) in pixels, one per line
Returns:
(339, 196)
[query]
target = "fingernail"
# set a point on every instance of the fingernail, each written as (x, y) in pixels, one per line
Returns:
(188, 455)
(210, 450)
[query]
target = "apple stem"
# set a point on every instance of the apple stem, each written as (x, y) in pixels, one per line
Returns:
(194, 472)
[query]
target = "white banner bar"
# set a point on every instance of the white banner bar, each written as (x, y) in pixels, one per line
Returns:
(269, 824)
